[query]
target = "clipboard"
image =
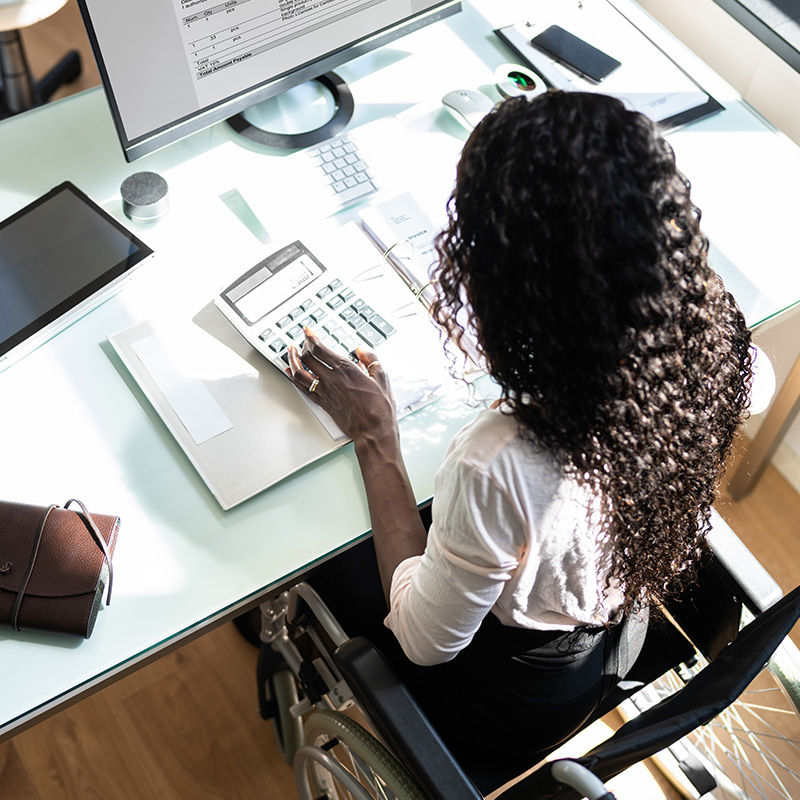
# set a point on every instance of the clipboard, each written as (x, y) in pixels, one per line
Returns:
(679, 101)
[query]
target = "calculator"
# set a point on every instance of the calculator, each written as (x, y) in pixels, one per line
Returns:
(290, 290)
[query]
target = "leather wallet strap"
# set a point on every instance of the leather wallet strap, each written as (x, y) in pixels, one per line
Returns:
(35, 552)
(91, 526)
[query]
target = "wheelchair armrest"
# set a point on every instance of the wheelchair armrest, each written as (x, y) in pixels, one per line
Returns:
(742, 572)
(401, 723)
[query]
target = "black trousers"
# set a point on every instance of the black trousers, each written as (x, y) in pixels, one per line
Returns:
(510, 697)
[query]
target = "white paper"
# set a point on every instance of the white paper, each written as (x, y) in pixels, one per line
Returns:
(406, 234)
(189, 397)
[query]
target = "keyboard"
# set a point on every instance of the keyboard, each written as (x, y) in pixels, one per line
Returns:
(342, 169)
(312, 184)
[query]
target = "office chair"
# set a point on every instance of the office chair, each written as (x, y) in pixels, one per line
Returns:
(20, 91)
(407, 759)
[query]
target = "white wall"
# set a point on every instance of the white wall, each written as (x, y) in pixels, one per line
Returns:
(773, 88)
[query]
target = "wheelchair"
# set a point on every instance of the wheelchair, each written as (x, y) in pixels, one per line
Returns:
(713, 699)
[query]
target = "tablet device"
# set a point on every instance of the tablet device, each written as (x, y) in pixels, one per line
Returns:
(60, 256)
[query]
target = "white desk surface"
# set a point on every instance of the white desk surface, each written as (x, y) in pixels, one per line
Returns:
(74, 424)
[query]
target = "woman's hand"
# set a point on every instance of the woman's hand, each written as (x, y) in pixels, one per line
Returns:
(359, 399)
(357, 396)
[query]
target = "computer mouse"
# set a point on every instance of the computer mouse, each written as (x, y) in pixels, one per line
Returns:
(468, 106)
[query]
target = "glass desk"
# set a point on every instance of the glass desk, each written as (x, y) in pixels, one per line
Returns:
(74, 424)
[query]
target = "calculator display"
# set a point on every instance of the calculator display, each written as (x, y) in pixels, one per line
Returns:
(272, 282)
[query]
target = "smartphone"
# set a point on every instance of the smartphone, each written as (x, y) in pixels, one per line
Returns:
(575, 53)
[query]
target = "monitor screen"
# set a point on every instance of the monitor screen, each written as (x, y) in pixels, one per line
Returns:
(173, 67)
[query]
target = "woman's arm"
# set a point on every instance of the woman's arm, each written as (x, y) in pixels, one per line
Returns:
(359, 398)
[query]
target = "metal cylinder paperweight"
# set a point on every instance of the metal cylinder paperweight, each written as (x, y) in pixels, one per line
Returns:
(145, 197)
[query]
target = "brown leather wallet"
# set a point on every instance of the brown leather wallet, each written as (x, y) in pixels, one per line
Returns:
(55, 564)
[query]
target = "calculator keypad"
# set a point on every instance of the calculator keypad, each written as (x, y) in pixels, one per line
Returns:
(341, 320)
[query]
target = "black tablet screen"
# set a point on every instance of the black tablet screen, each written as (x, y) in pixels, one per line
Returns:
(54, 254)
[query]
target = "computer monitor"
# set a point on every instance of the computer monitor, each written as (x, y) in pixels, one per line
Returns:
(173, 67)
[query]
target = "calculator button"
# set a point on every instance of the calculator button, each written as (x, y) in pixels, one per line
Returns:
(370, 335)
(266, 334)
(295, 332)
(350, 342)
(382, 325)
(324, 292)
(334, 331)
(356, 322)
(335, 302)
(334, 284)
(295, 313)
(278, 346)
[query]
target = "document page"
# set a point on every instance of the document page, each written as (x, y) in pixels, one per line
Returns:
(166, 59)
(237, 43)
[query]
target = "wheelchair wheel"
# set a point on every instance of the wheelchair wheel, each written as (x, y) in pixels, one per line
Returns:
(341, 760)
(282, 688)
(750, 751)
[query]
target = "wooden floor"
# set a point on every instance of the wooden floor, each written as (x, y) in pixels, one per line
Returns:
(46, 42)
(186, 726)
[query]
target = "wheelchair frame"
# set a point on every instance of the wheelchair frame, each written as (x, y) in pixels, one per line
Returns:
(330, 679)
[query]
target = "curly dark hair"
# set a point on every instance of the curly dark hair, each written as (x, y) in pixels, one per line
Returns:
(575, 249)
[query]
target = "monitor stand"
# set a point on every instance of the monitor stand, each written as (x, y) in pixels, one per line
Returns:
(302, 108)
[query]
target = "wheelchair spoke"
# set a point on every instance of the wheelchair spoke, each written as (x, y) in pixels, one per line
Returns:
(365, 770)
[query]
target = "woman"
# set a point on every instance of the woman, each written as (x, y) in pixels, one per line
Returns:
(584, 494)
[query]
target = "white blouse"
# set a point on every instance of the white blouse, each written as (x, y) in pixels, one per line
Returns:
(510, 535)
